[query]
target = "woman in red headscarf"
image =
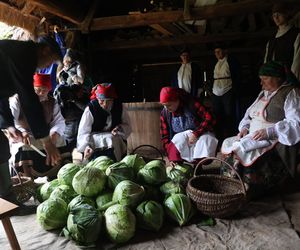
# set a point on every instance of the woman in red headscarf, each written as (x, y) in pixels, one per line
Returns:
(104, 125)
(186, 127)
(25, 156)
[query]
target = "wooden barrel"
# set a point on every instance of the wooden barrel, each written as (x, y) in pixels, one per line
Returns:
(145, 123)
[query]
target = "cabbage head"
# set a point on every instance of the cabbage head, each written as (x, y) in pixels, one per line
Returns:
(172, 188)
(152, 193)
(179, 208)
(120, 223)
(52, 213)
(180, 173)
(66, 173)
(150, 215)
(65, 192)
(103, 199)
(135, 161)
(48, 188)
(89, 181)
(128, 193)
(103, 164)
(153, 173)
(83, 225)
(118, 172)
(81, 200)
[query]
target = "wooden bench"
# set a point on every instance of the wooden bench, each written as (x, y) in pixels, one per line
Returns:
(6, 210)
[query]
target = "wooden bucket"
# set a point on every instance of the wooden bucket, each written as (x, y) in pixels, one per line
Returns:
(145, 123)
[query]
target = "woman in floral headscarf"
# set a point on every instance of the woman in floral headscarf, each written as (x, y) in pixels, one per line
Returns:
(104, 125)
(266, 146)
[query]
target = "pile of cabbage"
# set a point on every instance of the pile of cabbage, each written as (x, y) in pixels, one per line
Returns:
(114, 198)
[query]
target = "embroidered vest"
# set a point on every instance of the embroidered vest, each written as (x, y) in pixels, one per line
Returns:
(283, 47)
(100, 115)
(48, 107)
(275, 107)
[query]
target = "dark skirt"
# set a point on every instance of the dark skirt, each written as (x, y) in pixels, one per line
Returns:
(37, 163)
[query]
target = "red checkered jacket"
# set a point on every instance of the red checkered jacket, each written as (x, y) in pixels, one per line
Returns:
(203, 119)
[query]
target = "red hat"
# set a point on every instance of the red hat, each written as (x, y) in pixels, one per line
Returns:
(105, 91)
(168, 94)
(42, 80)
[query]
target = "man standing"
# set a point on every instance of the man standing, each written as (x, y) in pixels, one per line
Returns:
(19, 60)
(188, 75)
(225, 81)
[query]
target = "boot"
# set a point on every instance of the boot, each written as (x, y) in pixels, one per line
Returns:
(5, 180)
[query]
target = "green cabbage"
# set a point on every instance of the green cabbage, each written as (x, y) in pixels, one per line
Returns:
(171, 188)
(48, 188)
(103, 199)
(89, 181)
(65, 192)
(128, 193)
(81, 200)
(179, 208)
(180, 173)
(135, 161)
(52, 213)
(150, 215)
(83, 225)
(120, 223)
(153, 173)
(118, 172)
(66, 173)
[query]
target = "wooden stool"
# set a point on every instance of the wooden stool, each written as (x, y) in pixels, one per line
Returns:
(6, 210)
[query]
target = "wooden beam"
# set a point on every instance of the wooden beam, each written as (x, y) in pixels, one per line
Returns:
(191, 39)
(14, 17)
(161, 29)
(85, 25)
(28, 8)
(205, 12)
(63, 9)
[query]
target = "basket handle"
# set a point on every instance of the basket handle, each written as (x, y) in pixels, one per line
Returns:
(18, 175)
(231, 167)
(150, 146)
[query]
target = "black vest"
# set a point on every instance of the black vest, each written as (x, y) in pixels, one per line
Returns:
(282, 48)
(100, 115)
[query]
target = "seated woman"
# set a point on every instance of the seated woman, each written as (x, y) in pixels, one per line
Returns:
(265, 148)
(186, 127)
(104, 126)
(26, 158)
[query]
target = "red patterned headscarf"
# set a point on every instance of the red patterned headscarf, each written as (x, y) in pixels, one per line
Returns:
(168, 94)
(42, 80)
(104, 91)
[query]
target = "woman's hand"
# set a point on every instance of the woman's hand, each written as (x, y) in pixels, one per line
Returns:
(54, 137)
(26, 138)
(14, 134)
(260, 134)
(53, 155)
(87, 152)
(192, 139)
(243, 132)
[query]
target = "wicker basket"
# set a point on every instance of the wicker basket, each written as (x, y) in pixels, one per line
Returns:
(215, 195)
(145, 153)
(23, 187)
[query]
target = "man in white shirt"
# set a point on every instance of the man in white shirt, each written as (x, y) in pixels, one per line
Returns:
(188, 75)
(225, 79)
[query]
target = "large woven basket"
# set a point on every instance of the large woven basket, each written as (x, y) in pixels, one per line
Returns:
(148, 152)
(23, 187)
(215, 195)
